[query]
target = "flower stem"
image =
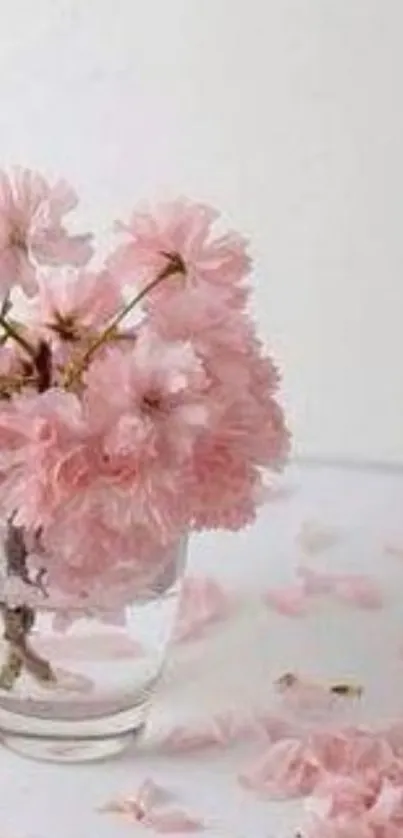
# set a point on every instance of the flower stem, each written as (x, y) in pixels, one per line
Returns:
(19, 622)
(12, 332)
(174, 265)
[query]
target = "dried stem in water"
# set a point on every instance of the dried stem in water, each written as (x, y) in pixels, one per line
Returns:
(18, 622)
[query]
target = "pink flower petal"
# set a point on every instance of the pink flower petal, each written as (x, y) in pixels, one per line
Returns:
(231, 727)
(141, 804)
(152, 794)
(316, 538)
(355, 589)
(352, 780)
(172, 821)
(359, 591)
(274, 727)
(287, 769)
(182, 738)
(203, 602)
(315, 583)
(127, 806)
(320, 828)
(220, 730)
(289, 601)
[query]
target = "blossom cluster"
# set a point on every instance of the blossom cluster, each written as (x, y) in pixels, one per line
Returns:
(116, 439)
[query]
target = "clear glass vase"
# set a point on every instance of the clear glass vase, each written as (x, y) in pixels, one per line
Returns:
(105, 667)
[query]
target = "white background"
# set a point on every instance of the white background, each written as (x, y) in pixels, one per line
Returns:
(285, 113)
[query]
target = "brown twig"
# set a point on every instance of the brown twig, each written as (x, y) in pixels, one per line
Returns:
(18, 622)
(43, 366)
(12, 332)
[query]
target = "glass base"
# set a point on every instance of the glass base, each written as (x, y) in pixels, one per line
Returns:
(65, 751)
(80, 741)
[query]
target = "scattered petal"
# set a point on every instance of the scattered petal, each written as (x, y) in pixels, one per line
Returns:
(289, 601)
(316, 538)
(226, 728)
(359, 591)
(232, 726)
(221, 730)
(182, 738)
(140, 805)
(274, 727)
(203, 602)
(172, 821)
(288, 769)
(352, 781)
(355, 589)
(152, 794)
(315, 583)
(126, 806)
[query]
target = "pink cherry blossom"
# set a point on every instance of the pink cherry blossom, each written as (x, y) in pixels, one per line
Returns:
(106, 480)
(174, 429)
(44, 443)
(246, 430)
(149, 430)
(157, 381)
(72, 303)
(31, 229)
(184, 228)
(243, 435)
(92, 562)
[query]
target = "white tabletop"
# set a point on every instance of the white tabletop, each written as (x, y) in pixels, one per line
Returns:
(357, 513)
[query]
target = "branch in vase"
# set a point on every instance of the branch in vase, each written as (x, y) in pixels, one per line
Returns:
(18, 622)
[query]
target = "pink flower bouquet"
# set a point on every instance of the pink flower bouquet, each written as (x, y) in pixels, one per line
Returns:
(137, 402)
